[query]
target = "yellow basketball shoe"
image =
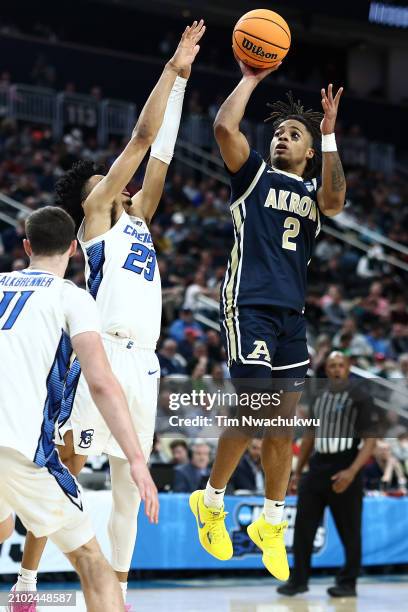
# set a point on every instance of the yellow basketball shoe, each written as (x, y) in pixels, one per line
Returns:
(271, 540)
(212, 533)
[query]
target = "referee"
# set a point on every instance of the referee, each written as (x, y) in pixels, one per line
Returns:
(334, 479)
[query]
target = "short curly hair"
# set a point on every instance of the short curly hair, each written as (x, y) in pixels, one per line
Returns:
(70, 189)
(282, 111)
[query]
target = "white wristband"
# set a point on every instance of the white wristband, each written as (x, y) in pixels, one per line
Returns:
(329, 143)
(163, 146)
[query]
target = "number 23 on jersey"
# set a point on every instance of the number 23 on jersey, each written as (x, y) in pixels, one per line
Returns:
(141, 259)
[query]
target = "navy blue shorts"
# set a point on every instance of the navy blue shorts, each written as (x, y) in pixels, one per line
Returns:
(265, 342)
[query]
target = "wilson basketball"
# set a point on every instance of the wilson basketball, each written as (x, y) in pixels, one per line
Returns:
(261, 38)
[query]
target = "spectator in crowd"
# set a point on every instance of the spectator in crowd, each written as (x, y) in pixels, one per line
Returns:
(394, 426)
(377, 339)
(171, 362)
(399, 396)
(12, 237)
(193, 475)
(373, 265)
(334, 313)
(357, 343)
(199, 356)
(157, 455)
(399, 340)
(196, 290)
(174, 189)
(172, 291)
(188, 347)
(215, 349)
(177, 232)
(385, 472)
(380, 305)
(327, 248)
(164, 412)
(399, 448)
(399, 310)
(96, 92)
(217, 383)
(179, 452)
(178, 327)
(249, 474)
(322, 350)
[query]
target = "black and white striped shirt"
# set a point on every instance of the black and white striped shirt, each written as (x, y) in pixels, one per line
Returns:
(346, 414)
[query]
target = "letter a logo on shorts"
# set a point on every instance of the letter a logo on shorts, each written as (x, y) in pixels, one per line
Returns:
(260, 351)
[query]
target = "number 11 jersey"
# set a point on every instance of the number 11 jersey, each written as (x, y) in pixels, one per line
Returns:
(276, 220)
(122, 275)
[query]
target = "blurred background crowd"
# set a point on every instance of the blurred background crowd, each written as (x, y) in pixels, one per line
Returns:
(357, 298)
(357, 303)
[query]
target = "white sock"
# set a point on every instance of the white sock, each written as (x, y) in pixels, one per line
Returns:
(123, 587)
(273, 511)
(213, 498)
(27, 580)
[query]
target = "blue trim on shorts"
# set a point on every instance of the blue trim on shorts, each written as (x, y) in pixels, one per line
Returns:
(46, 455)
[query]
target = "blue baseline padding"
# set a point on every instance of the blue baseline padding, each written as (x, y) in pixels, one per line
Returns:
(173, 543)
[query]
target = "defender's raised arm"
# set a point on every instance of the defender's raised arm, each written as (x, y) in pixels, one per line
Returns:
(145, 130)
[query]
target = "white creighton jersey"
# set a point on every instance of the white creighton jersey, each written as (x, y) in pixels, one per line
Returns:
(122, 275)
(39, 313)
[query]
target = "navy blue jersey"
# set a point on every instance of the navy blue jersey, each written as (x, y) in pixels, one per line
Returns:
(276, 221)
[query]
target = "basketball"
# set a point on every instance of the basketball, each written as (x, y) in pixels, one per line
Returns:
(261, 38)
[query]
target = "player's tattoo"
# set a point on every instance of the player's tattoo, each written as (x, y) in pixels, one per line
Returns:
(338, 178)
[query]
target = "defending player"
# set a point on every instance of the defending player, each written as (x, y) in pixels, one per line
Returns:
(40, 315)
(276, 214)
(122, 276)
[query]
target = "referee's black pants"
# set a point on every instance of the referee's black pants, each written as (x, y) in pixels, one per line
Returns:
(314, 494)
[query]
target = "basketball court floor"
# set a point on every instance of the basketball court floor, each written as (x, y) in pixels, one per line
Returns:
(376, 594)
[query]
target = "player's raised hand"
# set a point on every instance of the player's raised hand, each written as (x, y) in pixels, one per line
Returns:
(330, 107)
(256, 74)
(188, 46)
(147, 489)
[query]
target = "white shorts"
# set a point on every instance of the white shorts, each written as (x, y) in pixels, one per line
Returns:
(34, 494)
(138, 371)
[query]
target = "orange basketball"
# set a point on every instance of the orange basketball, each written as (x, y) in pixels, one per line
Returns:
(261, 38)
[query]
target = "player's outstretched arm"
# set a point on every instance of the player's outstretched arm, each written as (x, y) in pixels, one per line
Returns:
(146, 201)
(332, 193)
(148, 124)
(111, 402)
(233, 144)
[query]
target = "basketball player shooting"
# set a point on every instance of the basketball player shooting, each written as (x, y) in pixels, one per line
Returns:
(123, 278)
(276, 214)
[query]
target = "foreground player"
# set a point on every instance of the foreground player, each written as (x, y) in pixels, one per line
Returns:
(276, 214)
(122, 276)
(40, 316)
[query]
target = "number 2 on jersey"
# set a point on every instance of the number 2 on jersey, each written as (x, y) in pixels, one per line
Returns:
(292, 226)
(8, 298)
(141, 254)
